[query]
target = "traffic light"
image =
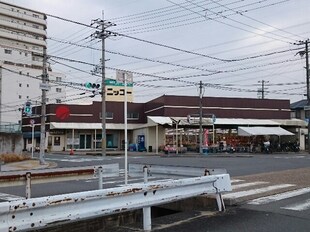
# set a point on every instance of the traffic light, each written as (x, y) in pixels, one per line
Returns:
(28, 108)
(90, 85)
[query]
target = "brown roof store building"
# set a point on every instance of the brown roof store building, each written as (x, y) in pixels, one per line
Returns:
(80, 125)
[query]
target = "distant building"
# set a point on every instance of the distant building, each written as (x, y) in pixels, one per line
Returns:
(22, 40)
(161, 121)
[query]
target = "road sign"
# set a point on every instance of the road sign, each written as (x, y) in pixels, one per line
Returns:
(306, 107)
(45, 86)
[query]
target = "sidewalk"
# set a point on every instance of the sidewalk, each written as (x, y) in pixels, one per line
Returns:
(26, 165)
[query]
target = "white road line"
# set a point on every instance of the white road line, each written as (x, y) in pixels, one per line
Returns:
(10, 197)
(278, 197)
(299, 207)
(256, 191)
(236, 180)
(239, 186)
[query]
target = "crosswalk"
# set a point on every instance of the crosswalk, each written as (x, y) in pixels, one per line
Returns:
(262, 193)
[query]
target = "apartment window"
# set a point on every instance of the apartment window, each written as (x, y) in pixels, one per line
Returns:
(35, 26)
(58, 78)
(58, 100)
(26, 54)
(20, 84)
(27, 84)
(58, 90)
(47, 99)
(35, 15)
(8, 51)
(133, 115)
(20, 96)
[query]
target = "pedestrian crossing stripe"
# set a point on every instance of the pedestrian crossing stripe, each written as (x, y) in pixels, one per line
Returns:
(10, 197)
(236, 181)
(238, 186)
(299, 206)
(255, 191)
(280, 196)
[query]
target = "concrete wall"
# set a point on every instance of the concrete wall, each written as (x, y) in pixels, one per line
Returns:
(11, 143)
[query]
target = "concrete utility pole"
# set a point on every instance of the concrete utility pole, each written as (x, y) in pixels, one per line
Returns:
(200, 117)
(308, 94)
(43, 107)
(307, 108)
(103, 34)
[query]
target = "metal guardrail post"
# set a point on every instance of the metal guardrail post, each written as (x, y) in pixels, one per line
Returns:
(220, 202)
(28, 185)
(100, 176)
(1, 163)
(147, 220)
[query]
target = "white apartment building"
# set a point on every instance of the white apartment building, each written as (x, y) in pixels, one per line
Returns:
(22, 40)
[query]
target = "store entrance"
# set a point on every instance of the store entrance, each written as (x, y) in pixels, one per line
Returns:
(85, 141)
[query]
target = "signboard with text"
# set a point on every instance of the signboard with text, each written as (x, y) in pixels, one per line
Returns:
(115, 90)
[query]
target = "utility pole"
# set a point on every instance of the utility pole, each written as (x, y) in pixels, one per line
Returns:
(103, 34)
(308, 94)
(307, 107)
(262, 90)
(200, 117)
(44, 88)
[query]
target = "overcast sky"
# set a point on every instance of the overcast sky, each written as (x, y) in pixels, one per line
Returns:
(172, 45)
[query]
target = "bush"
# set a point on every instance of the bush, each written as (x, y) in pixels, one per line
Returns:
(9, 158)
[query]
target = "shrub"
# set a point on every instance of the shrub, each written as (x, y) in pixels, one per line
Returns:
(9, 158)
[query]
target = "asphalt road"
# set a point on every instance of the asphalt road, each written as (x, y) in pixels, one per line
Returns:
(287, 175)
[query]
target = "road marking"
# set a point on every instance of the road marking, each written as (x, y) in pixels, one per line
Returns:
(256, 191)
(10, 197)
(278, 197)
(239, 186)
(236, 180)
(290, 157)
(299, 207)
(78, 160)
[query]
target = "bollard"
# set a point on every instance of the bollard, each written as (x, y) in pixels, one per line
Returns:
(28, 185)
(147, 222)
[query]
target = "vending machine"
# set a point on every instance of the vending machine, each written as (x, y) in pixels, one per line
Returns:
(141, 143)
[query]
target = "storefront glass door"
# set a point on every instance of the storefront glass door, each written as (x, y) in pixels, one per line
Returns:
(85, 141)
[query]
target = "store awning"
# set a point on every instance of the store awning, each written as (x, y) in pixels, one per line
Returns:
(159, 120)
(262, 130)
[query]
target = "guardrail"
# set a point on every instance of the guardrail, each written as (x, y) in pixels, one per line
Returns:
(172, 170)
(43, 212)
(59, 174)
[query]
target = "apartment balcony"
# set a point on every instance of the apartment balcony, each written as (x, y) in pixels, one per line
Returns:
(19, 27)
(23, 39)
(19, 15)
